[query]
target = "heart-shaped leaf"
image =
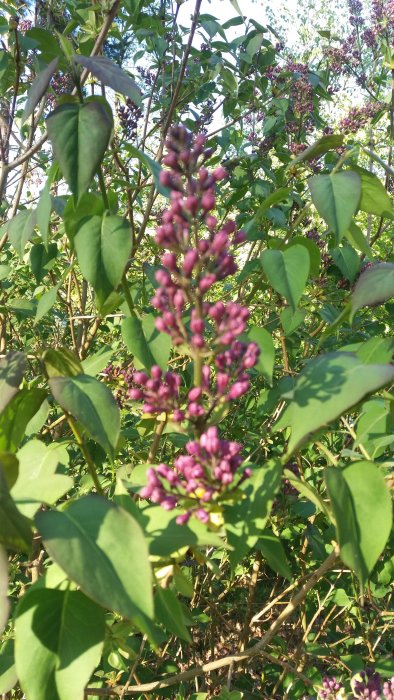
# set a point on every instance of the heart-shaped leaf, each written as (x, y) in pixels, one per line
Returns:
(287, 271)
(374, 286)
(79, 134)
(336, 198)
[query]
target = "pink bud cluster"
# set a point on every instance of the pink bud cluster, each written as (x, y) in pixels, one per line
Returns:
(200, 477)
(198, 254)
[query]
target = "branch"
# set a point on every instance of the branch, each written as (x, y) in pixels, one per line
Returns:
(234, 658)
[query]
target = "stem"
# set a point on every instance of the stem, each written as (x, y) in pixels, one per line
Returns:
(128, 297)
(103, 188)
(156, 441)
(90, 464)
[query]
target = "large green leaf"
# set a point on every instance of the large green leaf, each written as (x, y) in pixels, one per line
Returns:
(4, 602)
(39, 480)
(15, 532)
(103, 549)
(61, 363)
(362, 509)
(37, 88)
(266, 361)
(326, 387)
(20, 230)
(148, 349)
(374, 286)
(59, 637)
(8, 677)
(336, 198)
(14, 419)
(103, 246)
(374, 197)
(287, 271)
(12, 367)
(112, 75)
(93, 405)
(347, 260)
(79, 134)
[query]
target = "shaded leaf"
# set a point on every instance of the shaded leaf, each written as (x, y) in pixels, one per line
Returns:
(61, 363)
(168, 611)
(112, 75)
(336, 198)
(374, 286)
(20, 230)
(16, 416)
(12, 367)
(273, 551)
(4, 602)
(8, 677)
(287, 271)
(15, 532)
(38, 88)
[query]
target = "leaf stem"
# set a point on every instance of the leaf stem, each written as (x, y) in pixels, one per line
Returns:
(81, 444)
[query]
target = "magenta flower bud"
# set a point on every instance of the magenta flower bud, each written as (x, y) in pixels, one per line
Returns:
(210, 440)
(178, 416)
(206, 376)
(203, 246)
(208, 201)
(217, 311)
(222, 381)
(203, 174)
(189, 261)
(166, 178)
(229, 226)
(183, 519)
(184, 156)
(200, 140)
(179, 300)
(238, 389)
(211, 221)
(169, 260)
(195, 410)
(207, 282)
(197, 325)
(140, 378)
(171, 160)
(163, 278)
(160, 325)
(202, 515)
(156, 372)
(192, 204)
(219, 173)
(194, 394)
(135, 394)
(198, 340)
(240, 237)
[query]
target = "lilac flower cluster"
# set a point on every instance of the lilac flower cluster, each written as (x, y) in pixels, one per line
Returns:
(367, 684)
(388, 689)
(193, 262)
(200, 477)
(358, 117)
(129, 115)
(331, 689)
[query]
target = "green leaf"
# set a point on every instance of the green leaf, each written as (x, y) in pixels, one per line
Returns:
(59, 637)
(14, 419)
(20, 230)
(39, 480)
(95, 363)
(12, 367)
(42, 259)
(374, 286)
(336, 198)
(313, 250)
(321, 146)
(46, 302)
(308, 491)
(254, 44)
(266, 361)
(374, 197)
(61, 363)
(93, 405)
(273, 551)
(327, 386)
(357, 240)
(4, 602)
(103, 549)
(15, 532)
(347, 260)
(79, 134)
(287, 271)
(136, 342)
(8, 677)
(168, 611)
(103, 245)
(291, 320)
(152, 165)
(275, 197)
(362, 508)
(112, 75)
(166, 537)
(38, 88)
(246, 520)
(5, 271)
(373, 424)
(10, 466)
(43, 213)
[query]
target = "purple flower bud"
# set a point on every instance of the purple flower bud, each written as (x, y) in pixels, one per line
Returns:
(207, 282)
(195, 393)
(208, 201)
(219, 173)
(189, 262)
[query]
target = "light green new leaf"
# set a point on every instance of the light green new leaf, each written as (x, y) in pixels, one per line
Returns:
(327, 386)
(287, 271)
(103, 549)
(93, 405)
(374, 286)
(362, 509)
(59, 637)
(103, 245)
(38, 480)
(336, 198)
(79, 134)
(4, 602)
(266, 361)
(12, 367)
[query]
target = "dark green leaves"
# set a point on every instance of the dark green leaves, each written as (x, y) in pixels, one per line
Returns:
(59, 640)
(336, 198)
(326, 387)
(102, 548)
(37, 89)
(374, 286)
(374, 197)
(144, 341)
(15, 532)
(110, 74)
(362, 509)
(79, 134)
(103, 246)
(11, 372)
(287, 271)
(16, 416)
(92, 404)
(20, 229)
(266, 361)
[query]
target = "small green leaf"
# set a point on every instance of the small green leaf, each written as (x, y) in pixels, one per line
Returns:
(20, 230)
(42, 259)
(12, 367)
(93, 405)
(336, 198)
(46, 302)
(327, 386)
(88, 540)
(266, 361)
(168, 611)
(136, 342)
(321, 146)
(15, 531)
(374, 286)
(103, 246)
(38, 88)
(112, 75)
(43, 213)
(347, 260)
(14, 419)
(61, 363)
(79, 134)
(273, 551)
(362, 508)
(291, 320)
(59, 637)
(357, 240)
(287, 271)
(313, 250)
